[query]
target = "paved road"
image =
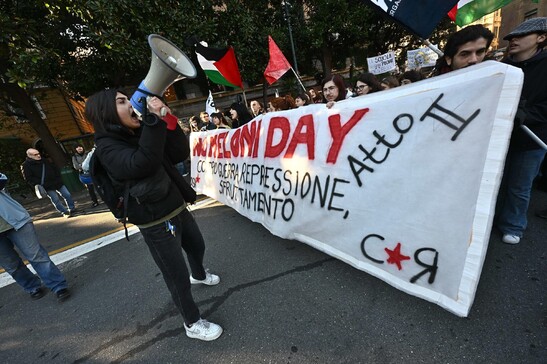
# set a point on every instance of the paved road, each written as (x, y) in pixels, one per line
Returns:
(280, 301)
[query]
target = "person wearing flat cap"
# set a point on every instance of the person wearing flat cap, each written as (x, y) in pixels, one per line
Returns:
(525, 155)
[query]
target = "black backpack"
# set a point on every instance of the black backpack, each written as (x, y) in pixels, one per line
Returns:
(114, 195)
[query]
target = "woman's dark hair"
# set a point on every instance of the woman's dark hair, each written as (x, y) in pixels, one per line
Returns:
(340, 84)
(412, 76)
(391, 81)
(100, 109)
(283, 103)
(217, 115)
(370, 80)
(243, 115)
(304, 97)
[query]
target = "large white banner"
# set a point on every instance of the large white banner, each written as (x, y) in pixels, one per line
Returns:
(382, 63)
(400, 183)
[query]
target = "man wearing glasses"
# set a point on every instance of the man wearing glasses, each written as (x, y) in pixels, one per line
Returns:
(38, 171)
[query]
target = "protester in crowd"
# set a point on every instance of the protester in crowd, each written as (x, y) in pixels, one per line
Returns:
(334, 90)
(227, 117)
(367, 83)
(184, 124)
(411, 76)
(195, 123)
(524, 158)
(349, 90)
(256, 108)
(465, 48)
(204, 118)
(281, 103)
(38, 171)
(315, 97)
(239, 114)
(17, 231)
(139, 159)
(302, 100)
(389, 82)
(218, 121)
(77, 160)
(184, 167)
(209, 126)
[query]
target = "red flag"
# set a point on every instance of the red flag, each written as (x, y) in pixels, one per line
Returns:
(452, 13)
(278, 64)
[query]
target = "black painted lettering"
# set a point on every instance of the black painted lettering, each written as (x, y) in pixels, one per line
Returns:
(363, 248)
(429, 268)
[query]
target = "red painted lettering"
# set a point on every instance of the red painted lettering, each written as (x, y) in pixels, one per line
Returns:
(234, 143)
(200, 148)
(247, 140)
(277, 123)
(299, 137)
(339, 132)
(213, 151)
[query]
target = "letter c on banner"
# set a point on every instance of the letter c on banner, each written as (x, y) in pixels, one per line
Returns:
(364, 250)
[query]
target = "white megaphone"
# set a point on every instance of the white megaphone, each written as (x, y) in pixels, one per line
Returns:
(169, 64)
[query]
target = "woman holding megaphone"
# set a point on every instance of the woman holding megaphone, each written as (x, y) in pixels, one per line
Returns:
(139, 156)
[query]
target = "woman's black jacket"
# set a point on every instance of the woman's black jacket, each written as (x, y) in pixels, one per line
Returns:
(133, 158)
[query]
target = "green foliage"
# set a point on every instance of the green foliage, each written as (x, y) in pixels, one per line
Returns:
(83, 46)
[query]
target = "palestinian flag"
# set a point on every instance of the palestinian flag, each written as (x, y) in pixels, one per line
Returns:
(219, 64)
(467, 11)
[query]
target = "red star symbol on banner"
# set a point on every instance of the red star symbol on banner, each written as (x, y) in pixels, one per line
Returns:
(197, 179)
(395, 256)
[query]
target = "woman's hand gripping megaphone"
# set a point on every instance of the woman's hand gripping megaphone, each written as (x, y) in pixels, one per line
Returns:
(156, 106)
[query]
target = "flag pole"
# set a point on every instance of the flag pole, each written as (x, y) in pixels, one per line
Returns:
(298, 78)
(244, 97)
(432, 47)
(534, 137)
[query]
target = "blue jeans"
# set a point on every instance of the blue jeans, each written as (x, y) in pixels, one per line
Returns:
(521, 167)
(167, 253)
(181, 168)
(91, 190)
(26, 241)
(56, 201)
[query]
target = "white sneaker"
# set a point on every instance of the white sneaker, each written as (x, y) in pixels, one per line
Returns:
(510, 239)
(210, 279)
(203, 330)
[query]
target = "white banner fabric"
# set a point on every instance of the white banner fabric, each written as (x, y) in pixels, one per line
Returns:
(382, 63)
(401, 183)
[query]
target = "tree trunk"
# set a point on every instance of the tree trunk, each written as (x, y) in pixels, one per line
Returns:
(23, 100)
(327, 62)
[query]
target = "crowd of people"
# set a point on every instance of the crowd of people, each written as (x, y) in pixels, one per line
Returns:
(142, 157)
